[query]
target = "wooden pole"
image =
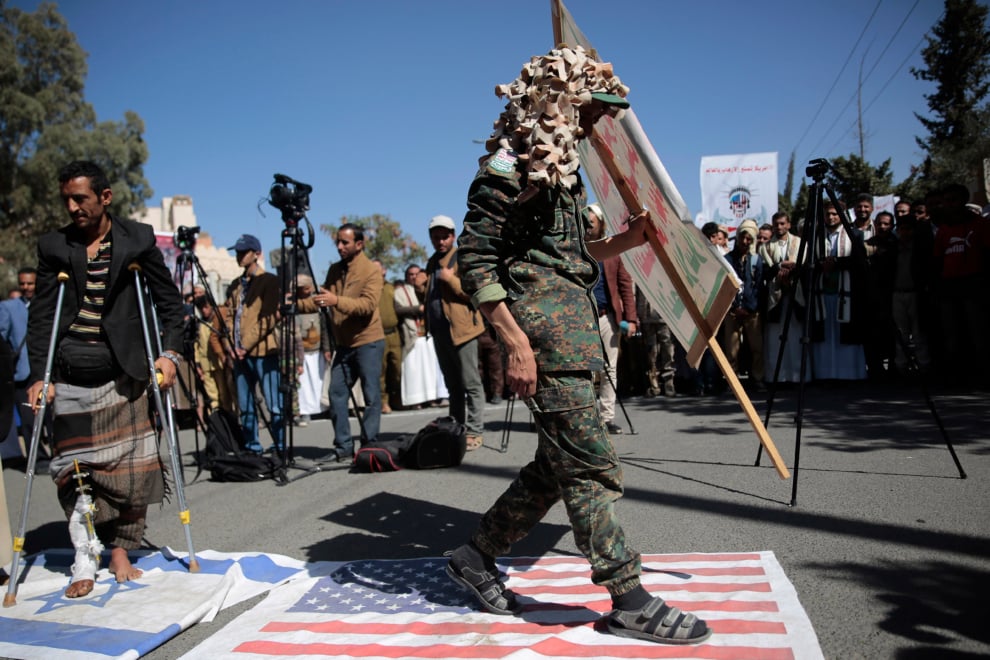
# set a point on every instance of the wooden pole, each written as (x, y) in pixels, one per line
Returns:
(631, 201)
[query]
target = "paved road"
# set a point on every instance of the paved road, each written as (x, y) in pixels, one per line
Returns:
(888, 548)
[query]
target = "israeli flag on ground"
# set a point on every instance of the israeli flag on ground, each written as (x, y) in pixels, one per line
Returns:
(127, 620)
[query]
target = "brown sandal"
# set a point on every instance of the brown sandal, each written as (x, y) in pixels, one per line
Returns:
(474, 442)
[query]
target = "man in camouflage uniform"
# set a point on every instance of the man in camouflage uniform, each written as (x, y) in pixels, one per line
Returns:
(523, 257)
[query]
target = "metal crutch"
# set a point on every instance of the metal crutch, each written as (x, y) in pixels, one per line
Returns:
(10, 598)
(164, 413)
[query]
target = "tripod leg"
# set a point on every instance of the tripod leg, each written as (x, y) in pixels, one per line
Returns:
(10, 598)
(913, 366)
(507, 428)
(164, 410)
(618, 399)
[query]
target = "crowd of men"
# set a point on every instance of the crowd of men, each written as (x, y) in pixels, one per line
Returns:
(887, 295)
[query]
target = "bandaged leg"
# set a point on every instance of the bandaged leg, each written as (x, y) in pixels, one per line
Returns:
(84, 539)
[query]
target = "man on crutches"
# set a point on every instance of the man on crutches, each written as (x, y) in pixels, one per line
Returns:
(99, 370)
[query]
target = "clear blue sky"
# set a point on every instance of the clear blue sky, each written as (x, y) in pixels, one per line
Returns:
(376, 104)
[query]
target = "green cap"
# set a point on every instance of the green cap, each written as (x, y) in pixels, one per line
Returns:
(611, 99)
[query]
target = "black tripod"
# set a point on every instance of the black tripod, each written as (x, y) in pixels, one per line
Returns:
(188, 266)
(813, 244)
(187, 270)
(291, 197)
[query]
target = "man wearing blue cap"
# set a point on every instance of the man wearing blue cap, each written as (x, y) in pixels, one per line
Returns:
(252, 304)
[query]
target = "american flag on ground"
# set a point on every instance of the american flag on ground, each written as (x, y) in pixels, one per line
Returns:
(410, 608)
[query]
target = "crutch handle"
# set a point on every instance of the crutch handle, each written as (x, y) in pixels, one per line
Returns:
(134, 267)
(62, 276)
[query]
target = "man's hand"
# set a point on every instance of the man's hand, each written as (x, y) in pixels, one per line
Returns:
(631, 328)
(634, 236)
(520, 361)
(34, 394)
(638, 226)
(325, 298)
(521, 370)
(445, 274)
(167, 370)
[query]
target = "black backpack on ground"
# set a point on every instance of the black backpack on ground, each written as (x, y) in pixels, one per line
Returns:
(441, 443)
(225, 456)
(382, 455)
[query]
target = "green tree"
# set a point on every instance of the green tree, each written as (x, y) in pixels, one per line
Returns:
(853, 175)
(957, 60)
(45, 123)
(784, 199)
(384, 240)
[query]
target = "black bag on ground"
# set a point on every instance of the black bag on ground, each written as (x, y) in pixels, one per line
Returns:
(225, 456)
(224, 436)
(383, 455)
(243, 467)
(441, 443)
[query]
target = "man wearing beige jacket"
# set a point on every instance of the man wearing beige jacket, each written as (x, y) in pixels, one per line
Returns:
(455, 326)
(252, 305)
(351, 292)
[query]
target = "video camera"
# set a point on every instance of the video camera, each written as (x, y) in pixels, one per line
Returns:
(289, 196)
(185, 237)
(817, 169)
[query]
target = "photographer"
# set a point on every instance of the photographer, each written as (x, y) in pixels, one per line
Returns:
(252, 303)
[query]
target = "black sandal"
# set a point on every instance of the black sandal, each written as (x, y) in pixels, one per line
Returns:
(658, 622)
(487, 588)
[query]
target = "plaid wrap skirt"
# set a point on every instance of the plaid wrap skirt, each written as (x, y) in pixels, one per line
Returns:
(108, 429)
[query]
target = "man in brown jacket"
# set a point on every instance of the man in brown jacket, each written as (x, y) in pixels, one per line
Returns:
(252, 303)
(455, 327)
(351, 292)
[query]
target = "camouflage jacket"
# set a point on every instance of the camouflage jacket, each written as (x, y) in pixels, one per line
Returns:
(532, 255)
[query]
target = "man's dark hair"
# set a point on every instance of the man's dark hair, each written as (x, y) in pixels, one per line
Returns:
(27, 270)
(410, 267)
(884, 213)
(864, 197)
(767, 225)
(779, 214)
(709, 229)
(357, 229)
(98, 180)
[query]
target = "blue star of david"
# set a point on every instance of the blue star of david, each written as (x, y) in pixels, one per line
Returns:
(57, 600)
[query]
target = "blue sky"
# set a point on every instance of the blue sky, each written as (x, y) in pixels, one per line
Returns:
(377, 104)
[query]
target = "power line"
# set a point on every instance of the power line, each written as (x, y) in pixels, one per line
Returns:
(884, 87)
(872, 69)
(838, 76)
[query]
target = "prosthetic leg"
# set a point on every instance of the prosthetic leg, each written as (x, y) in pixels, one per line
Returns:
(10, 598)
(83, 532)
(164, 408)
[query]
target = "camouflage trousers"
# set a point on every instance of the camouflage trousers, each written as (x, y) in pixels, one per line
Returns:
(575, 462)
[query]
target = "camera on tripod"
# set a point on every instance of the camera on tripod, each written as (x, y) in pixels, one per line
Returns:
(185, 237)
(289, 196)
(817, 169)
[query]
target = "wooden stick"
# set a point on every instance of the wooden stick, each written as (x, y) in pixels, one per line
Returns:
(631, 201)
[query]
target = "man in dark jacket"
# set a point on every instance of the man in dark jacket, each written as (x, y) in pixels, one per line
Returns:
(101, 416)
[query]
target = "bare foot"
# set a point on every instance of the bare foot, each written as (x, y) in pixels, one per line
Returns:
(79, 589)
(121, 566)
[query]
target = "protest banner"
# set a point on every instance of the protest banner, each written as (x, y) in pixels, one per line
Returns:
(694, 287)
(738, 187)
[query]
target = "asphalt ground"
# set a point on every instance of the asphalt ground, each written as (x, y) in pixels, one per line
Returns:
(887, 546)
